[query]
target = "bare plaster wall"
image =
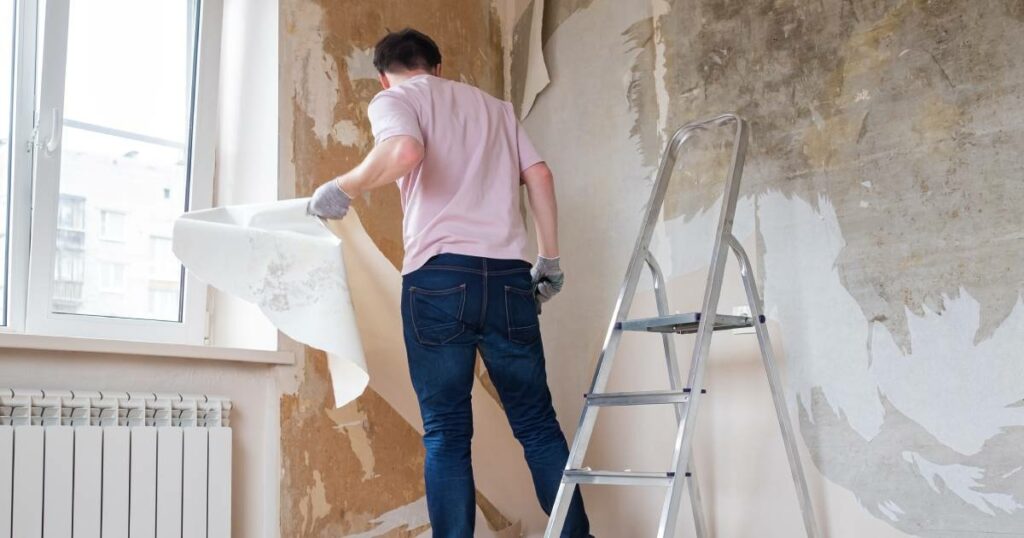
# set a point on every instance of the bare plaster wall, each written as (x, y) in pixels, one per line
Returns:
(883, 198)
(357, 470)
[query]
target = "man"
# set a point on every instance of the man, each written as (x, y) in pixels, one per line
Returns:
(459, 156)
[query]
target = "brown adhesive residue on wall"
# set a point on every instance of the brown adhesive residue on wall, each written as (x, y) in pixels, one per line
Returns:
(1015, 9)
(324, 489)
(342, 469)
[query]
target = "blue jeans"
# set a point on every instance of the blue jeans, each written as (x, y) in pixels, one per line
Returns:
(451, 307)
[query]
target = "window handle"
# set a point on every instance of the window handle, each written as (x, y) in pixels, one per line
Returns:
(53, 142)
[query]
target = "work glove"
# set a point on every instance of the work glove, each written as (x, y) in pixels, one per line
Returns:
(547, 279)
(328, 201)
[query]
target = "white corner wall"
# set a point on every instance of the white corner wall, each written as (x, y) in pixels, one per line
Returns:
(247, 147)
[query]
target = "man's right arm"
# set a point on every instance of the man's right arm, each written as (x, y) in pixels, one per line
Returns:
(540, 189)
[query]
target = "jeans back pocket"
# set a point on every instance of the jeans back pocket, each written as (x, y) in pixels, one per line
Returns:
(521, 312)
(437, 314)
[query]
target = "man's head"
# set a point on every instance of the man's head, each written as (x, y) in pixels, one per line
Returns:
(400, 55)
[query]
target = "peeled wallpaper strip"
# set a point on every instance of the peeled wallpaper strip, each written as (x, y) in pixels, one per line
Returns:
(536, 76)
(287, 263)
(332, 288)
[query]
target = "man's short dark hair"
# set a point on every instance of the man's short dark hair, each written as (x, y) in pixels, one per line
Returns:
(407, 50)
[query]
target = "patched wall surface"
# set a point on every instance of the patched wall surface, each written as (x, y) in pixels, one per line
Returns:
(885, 191)
(357, 470)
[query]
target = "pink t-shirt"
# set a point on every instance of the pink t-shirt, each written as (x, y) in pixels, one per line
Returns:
(463, 197)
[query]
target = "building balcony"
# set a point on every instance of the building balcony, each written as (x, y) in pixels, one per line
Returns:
(67, 292)
(70, 239)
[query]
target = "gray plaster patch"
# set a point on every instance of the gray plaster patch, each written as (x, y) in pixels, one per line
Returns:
(642, 97)
(904, 473)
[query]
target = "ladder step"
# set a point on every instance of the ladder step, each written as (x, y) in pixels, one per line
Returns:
(618, 478)
(683, 323)
(639, 398)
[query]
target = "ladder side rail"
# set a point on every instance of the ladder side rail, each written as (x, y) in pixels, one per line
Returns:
(667, 339)
(709, 308)
(716, 271)
(697, 503)
(672, 362)
(626, 293)
(775, 384)
(612, 337)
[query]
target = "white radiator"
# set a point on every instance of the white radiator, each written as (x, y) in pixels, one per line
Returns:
(81, 464)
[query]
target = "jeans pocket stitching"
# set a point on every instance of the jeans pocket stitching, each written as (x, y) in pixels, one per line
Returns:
(462, 329)
(508, 318)
(423, 291)
(414, 291)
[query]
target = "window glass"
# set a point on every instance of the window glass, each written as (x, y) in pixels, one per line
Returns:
(112, 225)
(124, 157)
(112, 277)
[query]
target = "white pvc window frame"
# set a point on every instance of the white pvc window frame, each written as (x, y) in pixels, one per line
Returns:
(35, 179)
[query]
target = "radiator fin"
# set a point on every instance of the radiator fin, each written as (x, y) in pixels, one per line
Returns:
(19, 407)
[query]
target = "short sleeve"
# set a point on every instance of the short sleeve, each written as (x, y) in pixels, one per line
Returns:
(390, 115)
(528, 155)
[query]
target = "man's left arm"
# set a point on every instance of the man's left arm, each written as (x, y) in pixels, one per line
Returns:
(386, 162)
(398, 149)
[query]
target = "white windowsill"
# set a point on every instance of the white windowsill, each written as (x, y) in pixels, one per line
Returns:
(20, 341)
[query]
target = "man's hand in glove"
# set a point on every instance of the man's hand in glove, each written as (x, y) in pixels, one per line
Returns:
(547, 279)
(329, 201)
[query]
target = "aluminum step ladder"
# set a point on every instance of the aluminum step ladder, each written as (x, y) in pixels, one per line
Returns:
(684, 398)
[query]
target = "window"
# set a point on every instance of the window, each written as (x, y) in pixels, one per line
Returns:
(163, 302)
(115, 100)
(164, 266)
(112, 277)
(160, 254)
(71, 213)
(112, 226)
(68, 278)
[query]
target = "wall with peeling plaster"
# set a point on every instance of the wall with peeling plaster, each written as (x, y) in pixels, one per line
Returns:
(357, 470)
(883, 198)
